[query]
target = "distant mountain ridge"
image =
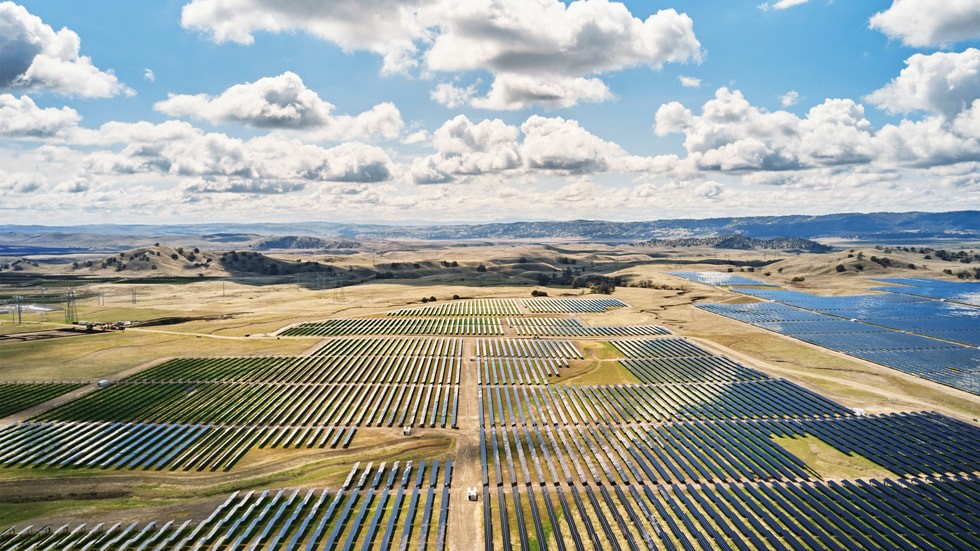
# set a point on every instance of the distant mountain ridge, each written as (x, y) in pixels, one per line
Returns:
(735, 241)
(303, 242)
(885, 226)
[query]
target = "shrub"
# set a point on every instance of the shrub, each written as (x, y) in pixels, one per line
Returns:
(537, 293)
(840, 268)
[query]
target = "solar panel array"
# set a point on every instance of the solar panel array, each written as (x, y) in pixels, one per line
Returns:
(932, 318)
(964, 292)
(397, 326)
(478, 307)
(384, 507)
(719, 279)
(570, 305)
(928, 338)
(689, 459)
(15, 397)
(571, 327)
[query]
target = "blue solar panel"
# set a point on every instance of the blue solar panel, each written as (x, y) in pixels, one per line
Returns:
(932, 318)
(719, 279)
(931, 358)
(965, 292)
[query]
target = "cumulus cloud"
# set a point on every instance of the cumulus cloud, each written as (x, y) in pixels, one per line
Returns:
(417, 137)
(689, 82)
(517, 91)
(231, 185)
(35, 57)
(545, 145)
(228, 163)
(731, 135)
(22, 118)
(562, 145)
(452, 96)
(543, 52)
(540, 51)
(920, 23)
(943, 83)
(465, 148)
(281, 102)
(389, 28)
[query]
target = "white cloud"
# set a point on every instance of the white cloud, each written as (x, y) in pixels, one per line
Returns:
(22, 183)
(149, 75)
(689, 82)
(526, 44)
(417, 137)
(781, 4)
(543, 52)
(177, 149)
(943, 83)
(465, 148)
(389, 28)
(542, 145)
(283, 102)
(232, 185)
(562, 145)
(920, 23)
(452, 96)
(731, 135)
(517, 91)
(35, 57)
(22, 118)
(789, 98)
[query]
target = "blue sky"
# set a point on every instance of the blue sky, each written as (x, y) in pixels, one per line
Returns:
(438, 111)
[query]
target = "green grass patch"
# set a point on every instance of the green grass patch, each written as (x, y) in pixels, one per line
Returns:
(603, 372)
(829, 462)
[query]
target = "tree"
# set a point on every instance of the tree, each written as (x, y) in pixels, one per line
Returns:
(840, 268)
(481, 268)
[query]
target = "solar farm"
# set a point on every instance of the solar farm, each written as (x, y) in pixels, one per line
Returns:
(686, 447)
(935, 338)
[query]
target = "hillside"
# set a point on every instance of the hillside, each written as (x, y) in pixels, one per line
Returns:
(741, 242)
(871, 227)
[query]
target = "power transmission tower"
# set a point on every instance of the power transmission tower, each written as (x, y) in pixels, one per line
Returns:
(71, 313)
(338, 292)
(17, 309)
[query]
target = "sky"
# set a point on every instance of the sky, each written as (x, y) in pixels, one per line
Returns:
(439, 111)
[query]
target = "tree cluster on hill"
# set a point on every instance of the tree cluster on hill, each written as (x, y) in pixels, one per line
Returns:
(736, 241)
(258, 263)
(597, 283)
(962, 256)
